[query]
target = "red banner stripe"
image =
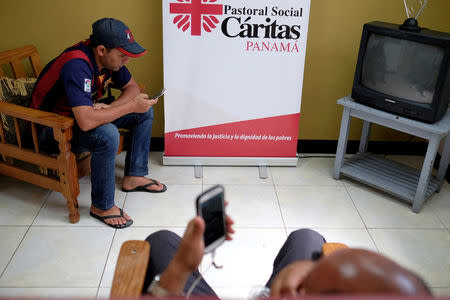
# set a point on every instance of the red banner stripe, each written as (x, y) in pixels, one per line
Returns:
(266, 137)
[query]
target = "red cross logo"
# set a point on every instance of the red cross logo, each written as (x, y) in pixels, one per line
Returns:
(196, 14)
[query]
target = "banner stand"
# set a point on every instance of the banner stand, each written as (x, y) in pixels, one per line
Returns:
(261, 162)
(233, 71)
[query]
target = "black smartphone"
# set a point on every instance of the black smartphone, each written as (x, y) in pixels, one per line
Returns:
(211, 207)
(158, 94)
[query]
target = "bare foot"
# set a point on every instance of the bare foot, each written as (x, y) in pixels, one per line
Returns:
(113, 211)
(132, 182)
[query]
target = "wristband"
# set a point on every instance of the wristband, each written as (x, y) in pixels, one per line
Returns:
(157, 290)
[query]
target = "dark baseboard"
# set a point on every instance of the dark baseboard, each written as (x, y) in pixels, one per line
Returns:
(157, 144)
(393, 148)
(387, 148)
(330, 146)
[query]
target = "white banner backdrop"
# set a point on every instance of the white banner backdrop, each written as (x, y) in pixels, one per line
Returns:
(233, 71)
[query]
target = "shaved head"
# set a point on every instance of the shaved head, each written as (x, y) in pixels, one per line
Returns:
(361, 271)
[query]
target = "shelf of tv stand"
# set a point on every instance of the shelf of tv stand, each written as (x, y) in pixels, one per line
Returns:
(407, 183)
(388, 175)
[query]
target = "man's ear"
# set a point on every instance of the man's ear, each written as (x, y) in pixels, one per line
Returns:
(101, 50)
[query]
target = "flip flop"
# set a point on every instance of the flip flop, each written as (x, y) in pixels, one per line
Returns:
(143, 188)
(116, 226)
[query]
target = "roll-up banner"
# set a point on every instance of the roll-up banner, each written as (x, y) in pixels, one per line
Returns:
(233, 73)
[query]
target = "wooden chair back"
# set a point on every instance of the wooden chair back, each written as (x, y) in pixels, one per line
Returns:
(15, 57)
(64, 163)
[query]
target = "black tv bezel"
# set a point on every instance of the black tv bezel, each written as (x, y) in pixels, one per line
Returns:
(429, 113)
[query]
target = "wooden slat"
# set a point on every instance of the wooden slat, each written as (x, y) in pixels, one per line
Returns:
(29, 156)
(31, 177)
(2, 133)
(35, 137)
(2, 139)
(18, 69)
(19, 138)
(17, 54)
(1, 72)
(36, 64)
(131, 267)
(36, 116)
(390, 176)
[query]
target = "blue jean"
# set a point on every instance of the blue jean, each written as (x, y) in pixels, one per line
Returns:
(103, 142)
(302, 244)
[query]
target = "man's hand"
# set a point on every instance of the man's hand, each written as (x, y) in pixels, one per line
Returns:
(141, 103)
(101, 106)
(188, 256)
(290, 279)
(89, 117)
(190, 252)
(229, 221)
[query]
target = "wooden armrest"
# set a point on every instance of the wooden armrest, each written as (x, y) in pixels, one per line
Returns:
(36, 116)
(329, 248)
(130, 271)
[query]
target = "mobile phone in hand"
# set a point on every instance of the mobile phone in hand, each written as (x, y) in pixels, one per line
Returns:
(158, 94)
(211, 207)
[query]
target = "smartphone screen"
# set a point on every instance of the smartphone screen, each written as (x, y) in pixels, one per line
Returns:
(211, 207)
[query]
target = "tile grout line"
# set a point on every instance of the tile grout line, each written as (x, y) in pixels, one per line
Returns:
(278, 203)
(42, 206)
(354, 205)
(241, 227)
(109, 252)
(106, 263)
(15, 251)
(437, 216)
(25, 234)
(362, 219)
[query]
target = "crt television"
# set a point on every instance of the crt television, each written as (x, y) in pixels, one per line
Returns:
(405, 71)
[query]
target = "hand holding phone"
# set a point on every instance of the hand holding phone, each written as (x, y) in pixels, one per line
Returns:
(211, 207)
(158, 94)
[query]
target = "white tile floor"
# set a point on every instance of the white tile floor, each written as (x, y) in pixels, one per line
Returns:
(42, 255)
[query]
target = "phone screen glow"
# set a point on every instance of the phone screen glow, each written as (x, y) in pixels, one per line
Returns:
(212, 213)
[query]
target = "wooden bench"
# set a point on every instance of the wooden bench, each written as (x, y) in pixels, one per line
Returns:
(65, 165)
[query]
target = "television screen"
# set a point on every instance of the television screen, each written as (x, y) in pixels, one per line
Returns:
(401, 68)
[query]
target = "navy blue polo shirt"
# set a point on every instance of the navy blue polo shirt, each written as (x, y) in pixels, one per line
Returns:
(78, 83)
